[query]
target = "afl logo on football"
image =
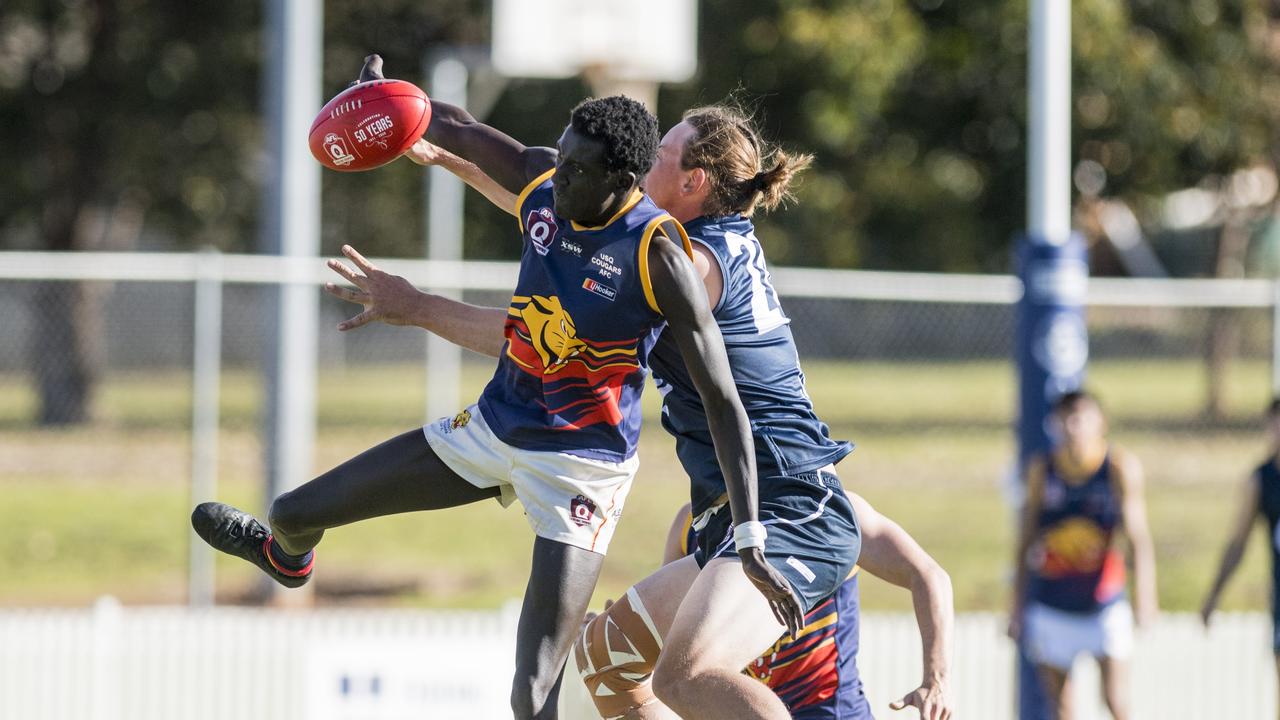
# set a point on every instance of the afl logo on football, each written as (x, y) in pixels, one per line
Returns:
(582, 510)
(337, 149)
(542, 228)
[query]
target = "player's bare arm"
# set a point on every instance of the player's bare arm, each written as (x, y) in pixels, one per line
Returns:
(509, 162)
(684, 304)
(395, 301)
(424, 153)
(891, 554)
(673, 549)
(1133, 509)
(1246, 516)
(1034, 485)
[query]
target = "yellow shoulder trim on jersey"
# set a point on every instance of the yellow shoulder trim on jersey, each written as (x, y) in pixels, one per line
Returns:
(524, 194)
(684, 533)
(636, 196)
(655, 225)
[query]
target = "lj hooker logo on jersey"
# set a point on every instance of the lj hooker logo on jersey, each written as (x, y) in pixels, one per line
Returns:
(582, 510)
(599, 288)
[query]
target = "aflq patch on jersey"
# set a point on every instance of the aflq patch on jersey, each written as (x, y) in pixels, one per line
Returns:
(542, 229)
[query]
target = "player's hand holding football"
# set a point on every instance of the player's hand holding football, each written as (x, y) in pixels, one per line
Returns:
(786, 606)
(387, 298)
(930, 699)
(372, 70)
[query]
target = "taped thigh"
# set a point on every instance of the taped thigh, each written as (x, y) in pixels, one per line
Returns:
(616, 653)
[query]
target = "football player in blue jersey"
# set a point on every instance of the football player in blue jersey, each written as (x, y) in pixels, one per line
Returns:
(603, 273)
(712, 172)
(1259, 500)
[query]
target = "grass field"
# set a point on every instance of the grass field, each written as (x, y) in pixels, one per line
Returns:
(103, 508)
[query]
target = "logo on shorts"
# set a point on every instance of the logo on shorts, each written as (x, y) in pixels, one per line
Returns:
(582, 510)
(457, 422)
(801, 568)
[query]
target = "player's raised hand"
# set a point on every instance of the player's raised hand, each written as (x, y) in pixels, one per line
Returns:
(387, 298)
(930, 699)
(372, 70)
(782, 599)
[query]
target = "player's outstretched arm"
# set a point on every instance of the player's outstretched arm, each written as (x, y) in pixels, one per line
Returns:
(424, 153)
(1133, 509)
(890, 553)
(506, 160)
(689, 320)
(1246, 515)
(394, 300)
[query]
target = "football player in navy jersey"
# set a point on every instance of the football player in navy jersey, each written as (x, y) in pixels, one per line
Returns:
(603, 273)
(712, 171)
(1083, 498)
(1259, 501)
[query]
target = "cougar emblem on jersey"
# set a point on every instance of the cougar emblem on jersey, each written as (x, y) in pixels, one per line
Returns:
(555, 338)
(460, 420)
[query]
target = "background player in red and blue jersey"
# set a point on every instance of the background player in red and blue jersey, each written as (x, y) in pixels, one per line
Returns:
(1069, 592)
(816, 673)
(1260, 500)
(602, 273)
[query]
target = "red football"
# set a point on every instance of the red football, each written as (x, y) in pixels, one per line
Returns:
(369, 125)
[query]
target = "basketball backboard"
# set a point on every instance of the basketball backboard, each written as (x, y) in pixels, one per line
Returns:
(629, 40)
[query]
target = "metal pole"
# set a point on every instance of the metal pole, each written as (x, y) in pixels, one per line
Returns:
(445, 201)
(1052, 343)
(206, 370)
(291, 228)
(1049, 121)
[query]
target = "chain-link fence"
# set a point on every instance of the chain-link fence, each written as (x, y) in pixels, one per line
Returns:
(97, 444)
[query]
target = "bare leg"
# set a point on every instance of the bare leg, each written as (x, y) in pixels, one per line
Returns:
(401, 475)
(1057, 688)
(561, 580)
(1115, 686)
(723, 624)
(617, 652)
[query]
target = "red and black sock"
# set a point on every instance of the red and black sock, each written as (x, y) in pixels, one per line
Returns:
(291, 565)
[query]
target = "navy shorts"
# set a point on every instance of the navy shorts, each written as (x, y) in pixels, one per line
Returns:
(814, 539)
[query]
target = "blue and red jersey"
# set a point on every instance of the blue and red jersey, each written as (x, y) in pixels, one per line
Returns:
(789, 437)
(579, 330)
(816, 674)
(1075, 565)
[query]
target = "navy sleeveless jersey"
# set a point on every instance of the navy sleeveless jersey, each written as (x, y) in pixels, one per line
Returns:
(579, 330)
(1269, 506)
(816, 674)
(789, 437)
(1075, 565)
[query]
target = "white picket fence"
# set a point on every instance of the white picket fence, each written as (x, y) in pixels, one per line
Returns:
(114, 663)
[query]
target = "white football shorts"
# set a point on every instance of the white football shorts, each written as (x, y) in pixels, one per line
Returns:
(566, 498)
(1055, 637)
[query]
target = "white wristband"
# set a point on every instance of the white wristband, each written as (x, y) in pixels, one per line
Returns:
(749, 534)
